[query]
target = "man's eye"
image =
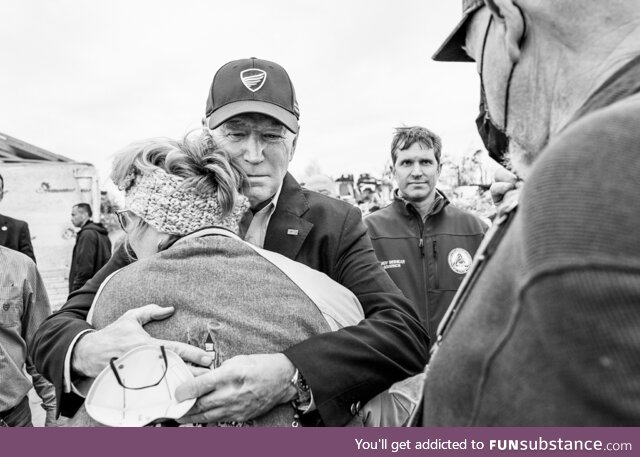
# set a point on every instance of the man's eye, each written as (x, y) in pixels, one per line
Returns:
(273, 136)
(236, 135)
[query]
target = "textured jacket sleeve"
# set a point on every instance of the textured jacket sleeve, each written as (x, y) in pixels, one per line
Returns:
(345, 369)
(24, 242)
(85, 254)
(584, 264)
(37, 309)
(53, 338)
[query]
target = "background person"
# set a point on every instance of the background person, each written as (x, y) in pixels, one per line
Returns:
(422, 241)
(322, 184)
(14, 233)
(92, 249)
(546, 330)
(253, 115)
(23, 306)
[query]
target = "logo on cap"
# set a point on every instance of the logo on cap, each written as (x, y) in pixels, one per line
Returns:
(253, 79)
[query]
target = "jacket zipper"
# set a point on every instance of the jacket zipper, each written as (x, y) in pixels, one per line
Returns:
(434, 248)
(425, 272)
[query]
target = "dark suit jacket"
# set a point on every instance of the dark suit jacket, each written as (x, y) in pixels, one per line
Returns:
(344, 368)
(14, 234)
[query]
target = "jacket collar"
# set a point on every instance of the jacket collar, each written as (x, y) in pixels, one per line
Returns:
(408, 209)
(287, 229)
(291, 199)
(209, 231)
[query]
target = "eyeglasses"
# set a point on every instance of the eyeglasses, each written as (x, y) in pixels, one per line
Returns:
(124, 218)
(146, 383)
(138, 388)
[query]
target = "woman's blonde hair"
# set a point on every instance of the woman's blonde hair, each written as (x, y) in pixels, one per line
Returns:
(206, 169)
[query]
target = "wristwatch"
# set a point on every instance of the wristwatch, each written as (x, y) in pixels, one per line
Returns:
(303, 399)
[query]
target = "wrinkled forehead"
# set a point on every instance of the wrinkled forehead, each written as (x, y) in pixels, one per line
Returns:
(253, 120)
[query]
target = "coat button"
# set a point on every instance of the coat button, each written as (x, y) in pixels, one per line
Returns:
(354, 410)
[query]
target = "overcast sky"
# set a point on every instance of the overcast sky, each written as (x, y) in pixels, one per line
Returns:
(85, 78)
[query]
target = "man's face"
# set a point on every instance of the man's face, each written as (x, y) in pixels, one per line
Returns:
(263, 147)
(416, 171)
(527, 136)
(78, 216)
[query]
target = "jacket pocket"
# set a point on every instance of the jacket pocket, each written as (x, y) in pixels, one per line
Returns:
(451, 259)
(10, 306)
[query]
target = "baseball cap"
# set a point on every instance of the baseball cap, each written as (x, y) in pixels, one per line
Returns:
(138, 388)
(451, 50)
(252, 86)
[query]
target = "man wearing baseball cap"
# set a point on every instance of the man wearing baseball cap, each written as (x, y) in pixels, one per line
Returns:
(544, 330)
(252, 113)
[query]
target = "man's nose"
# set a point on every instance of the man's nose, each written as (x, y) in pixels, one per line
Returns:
(417, 169)
(253, 150)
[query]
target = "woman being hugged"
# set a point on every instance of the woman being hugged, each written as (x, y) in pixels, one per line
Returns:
(183, 208)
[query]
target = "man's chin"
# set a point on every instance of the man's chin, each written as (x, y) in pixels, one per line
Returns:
(416, 197)
(258, 194)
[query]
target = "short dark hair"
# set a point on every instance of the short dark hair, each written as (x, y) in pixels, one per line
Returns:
(405, 137)
(84, 207)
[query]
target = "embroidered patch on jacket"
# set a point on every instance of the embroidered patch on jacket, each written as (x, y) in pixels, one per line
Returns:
(392, 263)
(459, 260)
(253, 79)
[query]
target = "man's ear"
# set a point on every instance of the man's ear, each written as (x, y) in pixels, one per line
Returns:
(510, 16)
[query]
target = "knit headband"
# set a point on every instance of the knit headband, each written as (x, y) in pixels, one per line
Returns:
(161, 200)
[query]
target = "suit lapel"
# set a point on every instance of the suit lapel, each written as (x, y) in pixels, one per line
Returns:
(287, 229)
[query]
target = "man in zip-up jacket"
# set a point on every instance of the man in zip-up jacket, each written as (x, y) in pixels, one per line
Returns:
(422, 241)
(92, 249)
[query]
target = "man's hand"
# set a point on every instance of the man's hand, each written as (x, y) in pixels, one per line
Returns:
(505, 188)
(94, 350)
(242, 388)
